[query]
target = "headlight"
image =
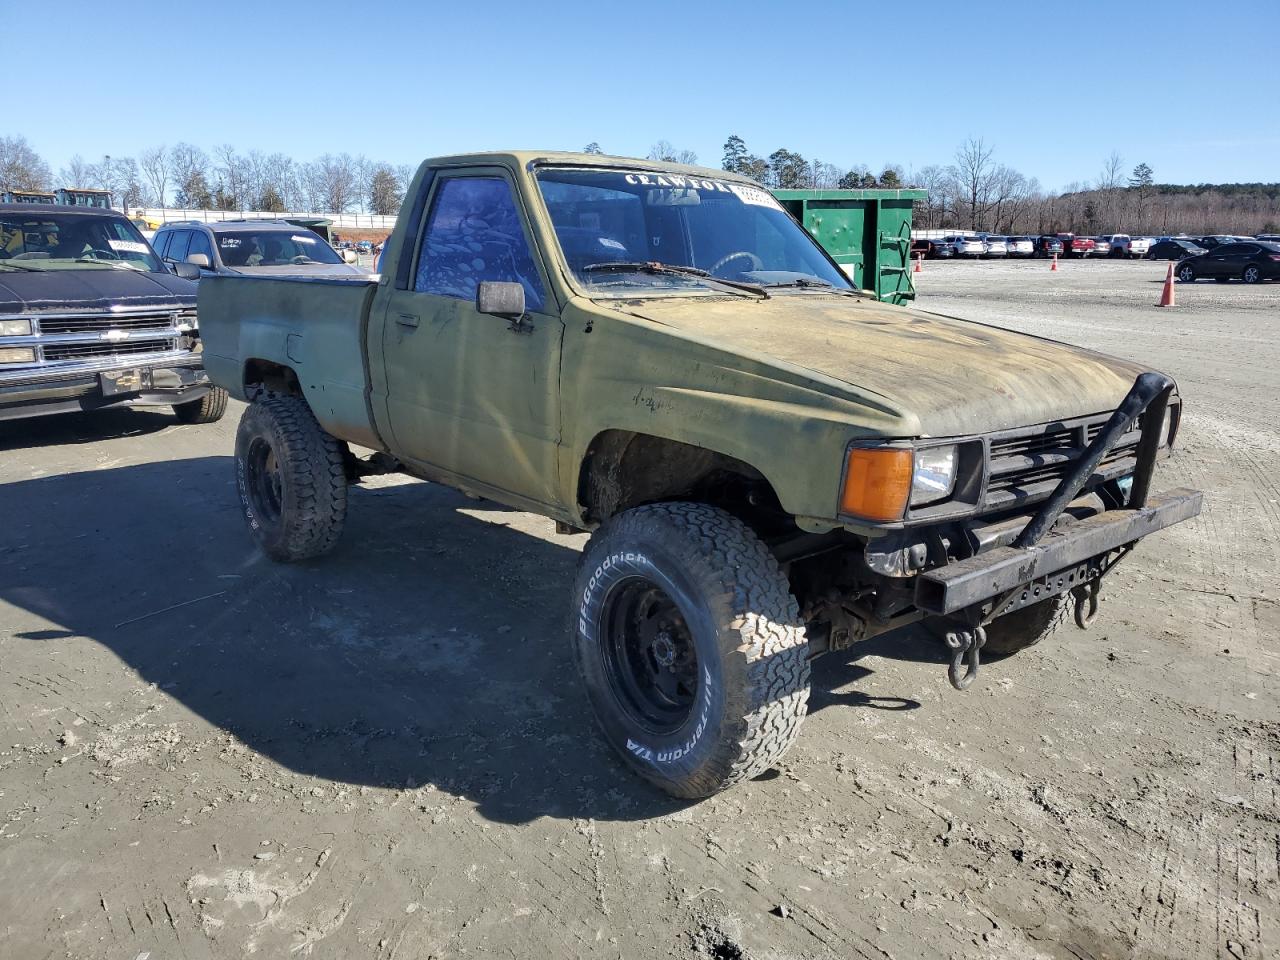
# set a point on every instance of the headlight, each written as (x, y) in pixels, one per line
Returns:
(880, 482)
(15, 328)
(935, 475)
(17, 355)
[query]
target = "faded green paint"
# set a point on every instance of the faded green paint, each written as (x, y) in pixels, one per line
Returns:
(782, 384)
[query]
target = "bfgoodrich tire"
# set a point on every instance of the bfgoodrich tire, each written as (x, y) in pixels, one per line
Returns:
(291, 478)
(691, 647)
(208, 409)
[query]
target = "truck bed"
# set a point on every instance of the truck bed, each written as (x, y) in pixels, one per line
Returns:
(313, 325)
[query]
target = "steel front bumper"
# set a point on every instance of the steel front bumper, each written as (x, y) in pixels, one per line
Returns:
(1063, 559)
(40, 392)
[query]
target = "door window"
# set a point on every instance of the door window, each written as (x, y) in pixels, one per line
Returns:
(200, 244)
(474, 233)
(161, 241)
(177, 251)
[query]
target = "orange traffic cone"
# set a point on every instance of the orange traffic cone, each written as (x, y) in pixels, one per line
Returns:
(918, 260)
(1166, 295)
(1054, 267)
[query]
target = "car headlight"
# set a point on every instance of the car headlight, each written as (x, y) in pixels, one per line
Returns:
(881, 482)
(17, 355)
(934, 477)
(15, 328)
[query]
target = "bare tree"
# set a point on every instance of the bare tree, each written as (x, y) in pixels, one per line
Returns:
(1109, 183)
(154, 162)
(663, 150)
(77, 172)
(189, 166)
(21, 168)
(974, 171)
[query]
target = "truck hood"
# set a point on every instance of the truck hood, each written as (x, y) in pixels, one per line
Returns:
(90, 291)
(951, 377)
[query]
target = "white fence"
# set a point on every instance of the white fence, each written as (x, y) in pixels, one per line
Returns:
(367, 221)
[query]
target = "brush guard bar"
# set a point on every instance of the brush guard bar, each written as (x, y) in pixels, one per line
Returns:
(1050, 561)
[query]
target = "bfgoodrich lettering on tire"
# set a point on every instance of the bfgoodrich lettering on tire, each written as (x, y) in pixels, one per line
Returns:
(691, 646)
(291, 479)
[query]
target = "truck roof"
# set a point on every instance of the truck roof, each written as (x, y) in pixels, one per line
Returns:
(529, 158)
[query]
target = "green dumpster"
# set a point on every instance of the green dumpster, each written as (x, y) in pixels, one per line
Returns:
(867, 232)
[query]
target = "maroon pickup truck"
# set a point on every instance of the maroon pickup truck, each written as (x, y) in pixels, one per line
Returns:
(1073, 246)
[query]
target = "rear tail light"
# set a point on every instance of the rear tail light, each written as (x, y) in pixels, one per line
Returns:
(1274, 256)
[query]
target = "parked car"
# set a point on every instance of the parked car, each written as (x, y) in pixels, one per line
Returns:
(1251, 261)
(1216, 239)
(643, 372)
(1048, 246)
(967, 246)
(1174, 250)
(1268, 237)
(939, 249)
(1073, 246)
(1101, 247)
(1021, 246)
(91, 318)
(364, 246)
(997, 246)
(251, 246)
(1123, 245)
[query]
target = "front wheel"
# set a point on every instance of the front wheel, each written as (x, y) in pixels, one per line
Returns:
(691, 647)
(291, 476)
(1186, 273)
(1026, 627)
(208, 409)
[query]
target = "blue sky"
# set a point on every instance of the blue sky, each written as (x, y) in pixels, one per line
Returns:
(1054, 88)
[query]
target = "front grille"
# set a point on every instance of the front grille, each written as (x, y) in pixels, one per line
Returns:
(1026, 465)
(84, 351)
(100, 323)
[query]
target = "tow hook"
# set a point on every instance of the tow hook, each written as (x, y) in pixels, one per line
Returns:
(1086, 598)
(964, 643)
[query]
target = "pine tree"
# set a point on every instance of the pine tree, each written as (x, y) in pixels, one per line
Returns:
(735, 155)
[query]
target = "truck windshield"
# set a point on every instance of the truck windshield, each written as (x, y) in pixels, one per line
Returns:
(43, 240)
(615, 226)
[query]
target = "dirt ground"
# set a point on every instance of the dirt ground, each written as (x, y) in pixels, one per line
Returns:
(387, 754)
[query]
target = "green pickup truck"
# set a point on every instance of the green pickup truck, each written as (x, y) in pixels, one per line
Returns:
(771, 463)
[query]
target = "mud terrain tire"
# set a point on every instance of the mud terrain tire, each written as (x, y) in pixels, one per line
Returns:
(1026, 627)
(208, 409)
(689, 589)
(291, 478)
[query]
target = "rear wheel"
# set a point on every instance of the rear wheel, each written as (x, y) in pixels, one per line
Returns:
(1187, 273)
(691, 647)
(1252, 274)
(208, 409)
(291, 477)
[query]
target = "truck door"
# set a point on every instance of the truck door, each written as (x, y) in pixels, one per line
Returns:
(472, 395)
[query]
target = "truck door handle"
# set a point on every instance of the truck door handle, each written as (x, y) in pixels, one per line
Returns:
(407, 320)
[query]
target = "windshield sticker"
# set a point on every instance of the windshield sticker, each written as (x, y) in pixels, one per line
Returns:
(128, 246)
(297, 239)
(673, 180)
(611, 243)
(228, 243)
(755, 196)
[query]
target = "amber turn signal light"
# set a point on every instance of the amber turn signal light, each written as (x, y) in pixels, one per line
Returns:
(877, 483)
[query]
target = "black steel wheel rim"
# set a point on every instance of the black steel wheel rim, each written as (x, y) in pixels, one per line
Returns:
(649, 655)
(264, 480)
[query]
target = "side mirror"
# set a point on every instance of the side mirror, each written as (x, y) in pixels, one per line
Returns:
(349, 256)
(199, 259)
(500, 299)
(187, 271)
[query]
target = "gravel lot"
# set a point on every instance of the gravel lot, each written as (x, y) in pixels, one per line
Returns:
(388, 754)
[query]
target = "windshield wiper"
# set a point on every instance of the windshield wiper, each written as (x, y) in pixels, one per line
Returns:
(18, 266)
(106, 263)
(681, 270)
(813, 283)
